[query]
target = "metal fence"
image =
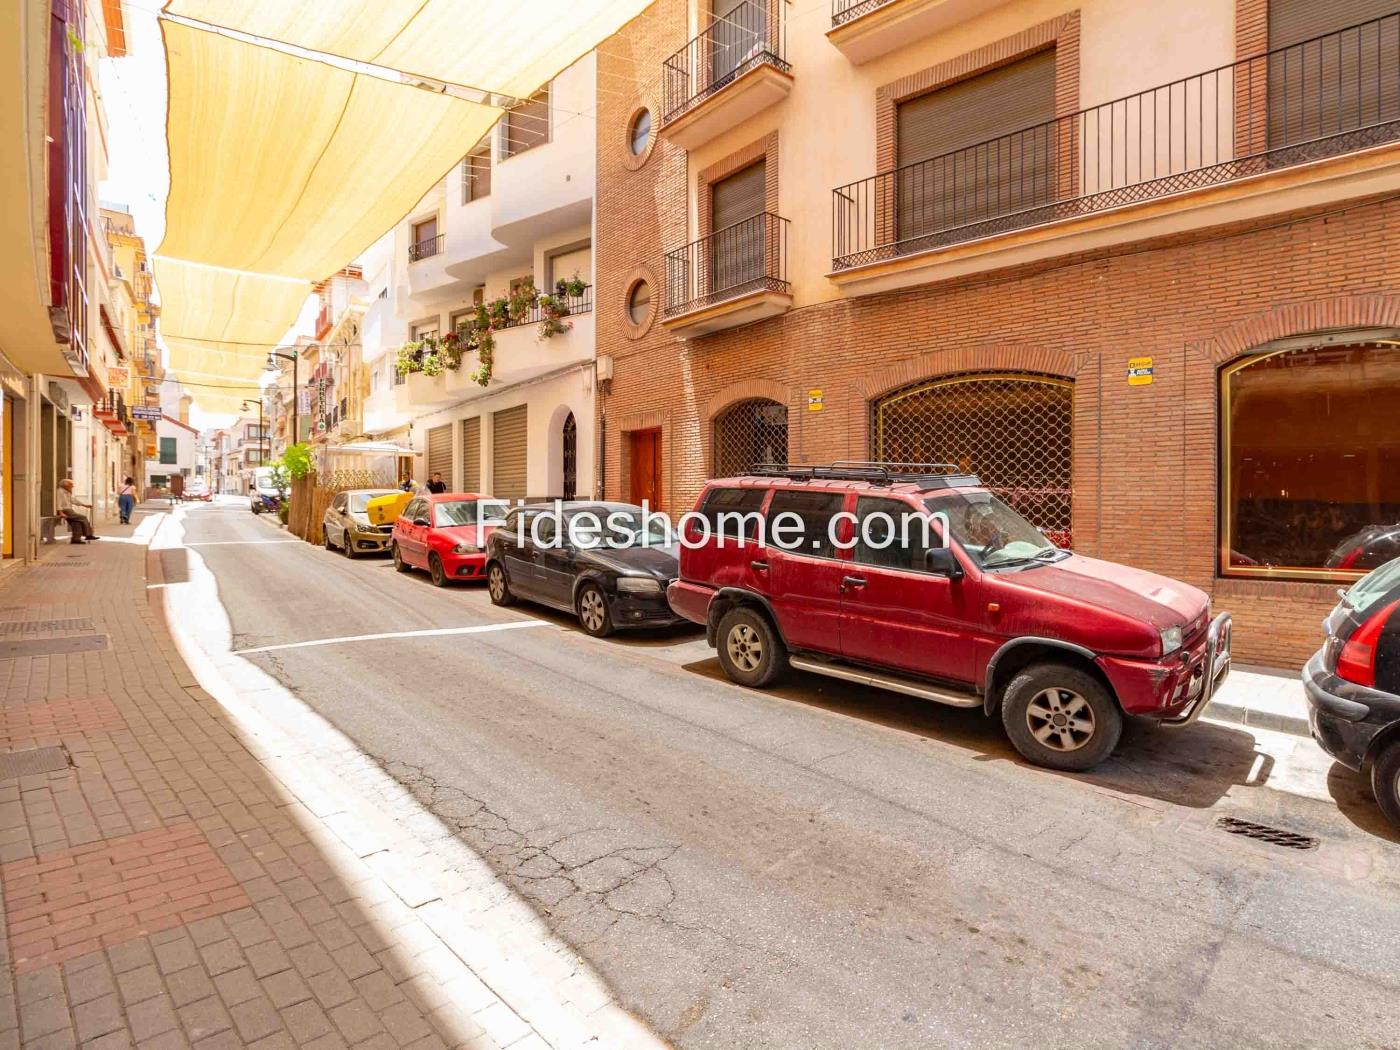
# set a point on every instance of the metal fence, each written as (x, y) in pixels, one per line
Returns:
(748, 434)
(749, 256)
(425, 248)
(843, 11)
(1330, 95)
(745, 38)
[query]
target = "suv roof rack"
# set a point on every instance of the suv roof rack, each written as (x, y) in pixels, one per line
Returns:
(924, 475)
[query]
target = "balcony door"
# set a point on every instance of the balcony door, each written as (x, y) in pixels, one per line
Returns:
(736, 35)
(976, 150)
(737, 248)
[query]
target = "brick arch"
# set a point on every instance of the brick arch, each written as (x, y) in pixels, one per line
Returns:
(1008, 357)
(746, 390)
(1300, 318)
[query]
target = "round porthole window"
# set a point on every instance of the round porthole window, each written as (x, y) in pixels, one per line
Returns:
(639, 303)
(639, 134)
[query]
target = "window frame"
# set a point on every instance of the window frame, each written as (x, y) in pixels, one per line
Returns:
(857, 534)
(835, 554)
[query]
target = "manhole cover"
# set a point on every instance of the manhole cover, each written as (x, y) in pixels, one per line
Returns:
(78, 643)
(35, 760)
(1265, 833)
(42, 626)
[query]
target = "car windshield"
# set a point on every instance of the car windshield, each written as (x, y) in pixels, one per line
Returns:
(618, 529)
(471, 512)
(989, 531)
(359, 501)
(1375, 587)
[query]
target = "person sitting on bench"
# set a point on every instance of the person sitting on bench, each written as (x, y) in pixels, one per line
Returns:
(79, 527)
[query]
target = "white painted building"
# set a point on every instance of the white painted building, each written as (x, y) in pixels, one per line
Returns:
(520, 208)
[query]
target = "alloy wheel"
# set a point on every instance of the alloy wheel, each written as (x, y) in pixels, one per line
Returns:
(496, 583)
(592, 611)
(745, 647)
(1060, 719)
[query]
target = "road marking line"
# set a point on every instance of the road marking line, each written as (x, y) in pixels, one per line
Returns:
(430, 633)
(234, 543)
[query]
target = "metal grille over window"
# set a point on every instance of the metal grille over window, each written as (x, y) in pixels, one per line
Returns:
(1015, 431)
(570, 441)
(749, 434)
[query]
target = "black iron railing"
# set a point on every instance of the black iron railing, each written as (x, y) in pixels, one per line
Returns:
(1331, 95)
(425, 248)
(570, 304)
(749, 256)
(746, 38)
(843, 11)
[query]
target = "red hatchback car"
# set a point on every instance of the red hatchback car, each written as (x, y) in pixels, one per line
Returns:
(446, 534)
(928, 584)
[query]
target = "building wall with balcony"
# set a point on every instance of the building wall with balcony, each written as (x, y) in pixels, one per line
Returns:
(1147, 472)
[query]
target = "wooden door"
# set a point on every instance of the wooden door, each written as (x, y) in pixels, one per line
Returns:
(644, 448)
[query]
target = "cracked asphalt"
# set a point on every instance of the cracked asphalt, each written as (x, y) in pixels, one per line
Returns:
(820, 866)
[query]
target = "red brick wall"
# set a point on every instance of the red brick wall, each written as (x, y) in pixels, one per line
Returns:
(1144, 457)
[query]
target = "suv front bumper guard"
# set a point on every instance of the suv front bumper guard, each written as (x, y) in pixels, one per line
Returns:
(1214, 669)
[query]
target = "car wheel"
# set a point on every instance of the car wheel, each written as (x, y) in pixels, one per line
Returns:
(346, 544)
(750, 650)
(399, 564)
(498, 586)
(438, 573)
(593, 612)
(326, 535)
(1061, 717)
(1385, 782)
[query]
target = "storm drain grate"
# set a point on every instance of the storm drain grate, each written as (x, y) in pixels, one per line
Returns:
(61, 565)
(35, 760)
(75, 643)
(41, 626)
(1265, 833)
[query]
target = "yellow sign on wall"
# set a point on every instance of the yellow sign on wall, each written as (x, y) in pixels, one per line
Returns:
(1139, 371)
(814, 401)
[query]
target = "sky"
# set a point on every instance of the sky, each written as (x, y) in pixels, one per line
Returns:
(138, 175)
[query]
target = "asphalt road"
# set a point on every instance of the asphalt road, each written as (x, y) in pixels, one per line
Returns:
(821, 866)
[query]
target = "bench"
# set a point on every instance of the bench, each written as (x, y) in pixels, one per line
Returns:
(48, 525)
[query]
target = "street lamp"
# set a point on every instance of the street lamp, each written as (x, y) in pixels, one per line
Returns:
(296, 405)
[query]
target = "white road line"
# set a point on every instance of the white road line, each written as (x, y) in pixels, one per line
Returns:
(431, 633)
(234, 543)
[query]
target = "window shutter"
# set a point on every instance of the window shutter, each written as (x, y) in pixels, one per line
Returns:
(526, 125)
(738, 197)
(1293, 21)
(440, 452)
(508, 458)
(471, 454)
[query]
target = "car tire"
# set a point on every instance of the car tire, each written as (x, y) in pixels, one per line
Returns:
(346, 546)
(326, 536)
(1060, 717)
(498, 585)
(594, 616)
(399, 564)
(750, 650)
(1385, 782)
(437, 572)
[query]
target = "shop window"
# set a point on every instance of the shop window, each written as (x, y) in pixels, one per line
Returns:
(1310, 472)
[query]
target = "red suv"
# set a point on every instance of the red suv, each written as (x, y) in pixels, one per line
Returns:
(928, 584)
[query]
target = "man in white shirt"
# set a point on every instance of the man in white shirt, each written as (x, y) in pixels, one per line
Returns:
(79, 527)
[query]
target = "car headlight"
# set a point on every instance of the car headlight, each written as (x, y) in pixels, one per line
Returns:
(466, 548)
(1171, 640)
(638, 585)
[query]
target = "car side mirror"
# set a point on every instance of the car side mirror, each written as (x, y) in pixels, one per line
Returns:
(943, 562)
(422, 521)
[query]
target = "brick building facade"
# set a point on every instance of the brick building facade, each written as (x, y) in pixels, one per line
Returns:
(1146, 459)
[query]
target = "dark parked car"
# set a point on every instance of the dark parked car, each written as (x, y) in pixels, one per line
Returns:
(1353, 684)
(968, 604)
(346, 525)
(1369, 548)
(613, 576)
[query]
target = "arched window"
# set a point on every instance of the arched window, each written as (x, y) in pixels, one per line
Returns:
(1310, 461)
(749, 434)
(1013, 430)
(569, 436)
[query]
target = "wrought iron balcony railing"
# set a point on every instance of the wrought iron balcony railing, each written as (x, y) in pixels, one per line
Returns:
(749, 256)
(1334, 94)
(745, 38)
(425, 248)
(843, 11)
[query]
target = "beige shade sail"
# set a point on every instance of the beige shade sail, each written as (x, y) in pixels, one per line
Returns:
(507, 46)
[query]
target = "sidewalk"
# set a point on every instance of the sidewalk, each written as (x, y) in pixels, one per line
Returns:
(163, 886)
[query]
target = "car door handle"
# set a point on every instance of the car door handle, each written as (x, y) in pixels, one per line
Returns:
(758, 565)
(852, 583)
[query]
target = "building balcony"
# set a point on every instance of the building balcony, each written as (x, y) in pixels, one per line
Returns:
(1298, 127)
(866, 29)
(386, 410)
(734, 276)
(733, 70)
(425, 249)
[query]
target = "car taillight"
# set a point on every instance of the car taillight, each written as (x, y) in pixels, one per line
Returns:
(1357, 660)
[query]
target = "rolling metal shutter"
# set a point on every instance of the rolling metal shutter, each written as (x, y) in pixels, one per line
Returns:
(439, 459)
(471, 455)
(738, 197)
(737, 247)
(1293, 21)
(509, 463)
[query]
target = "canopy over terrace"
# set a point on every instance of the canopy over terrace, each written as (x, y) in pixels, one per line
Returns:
(285, 165)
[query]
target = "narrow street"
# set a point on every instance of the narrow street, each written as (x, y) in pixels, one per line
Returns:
(822, 866)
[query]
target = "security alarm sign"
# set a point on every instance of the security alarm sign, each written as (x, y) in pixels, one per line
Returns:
(1139, 371)
(814, 401)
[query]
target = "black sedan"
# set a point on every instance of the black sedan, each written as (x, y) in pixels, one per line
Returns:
(605, 562)
(1353, 684)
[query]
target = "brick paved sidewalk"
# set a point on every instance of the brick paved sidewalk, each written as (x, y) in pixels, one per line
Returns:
(162, 889)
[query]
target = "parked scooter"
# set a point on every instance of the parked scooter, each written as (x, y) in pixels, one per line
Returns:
(265, 502)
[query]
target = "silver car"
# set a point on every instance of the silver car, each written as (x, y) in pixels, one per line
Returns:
(346, 523)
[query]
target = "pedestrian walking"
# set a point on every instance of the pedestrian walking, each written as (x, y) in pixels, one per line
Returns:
(436, 484)
(126, 500)
(79, 525)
